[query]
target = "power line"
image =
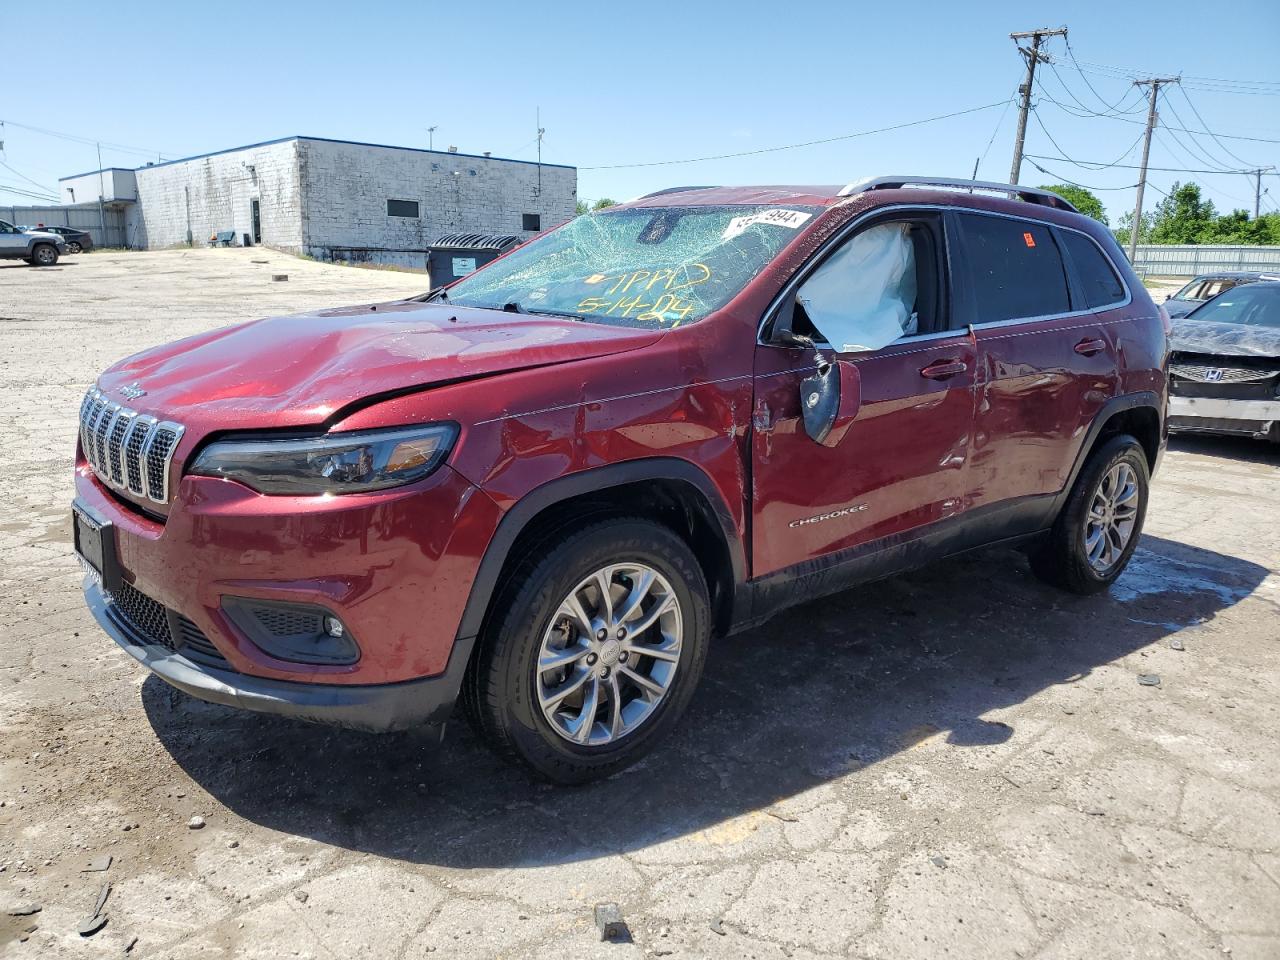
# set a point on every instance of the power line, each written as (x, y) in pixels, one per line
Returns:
(1115, 108)
(1228, 136)
(88, 141)
(1061, 179)
(1084, 164)
(796, 146)
(999, 123)
(1130, 166)
(1192, 147)
(1210, 84)
(1205, 126)
(28, 179)
(19, 191)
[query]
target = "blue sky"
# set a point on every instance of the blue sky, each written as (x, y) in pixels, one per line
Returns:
(629, 83)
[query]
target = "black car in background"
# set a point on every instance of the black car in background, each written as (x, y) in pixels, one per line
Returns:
(1224, 369)
(78, 241)
(1207, 286)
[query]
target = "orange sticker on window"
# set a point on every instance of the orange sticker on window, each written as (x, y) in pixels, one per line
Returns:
(1030, 240)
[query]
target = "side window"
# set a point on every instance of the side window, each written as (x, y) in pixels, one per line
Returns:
(880, 285)
(1094, 271)
(1015, 268)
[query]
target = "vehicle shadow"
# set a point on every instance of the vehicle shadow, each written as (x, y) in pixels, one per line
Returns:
(829, 687)
(1228, 448)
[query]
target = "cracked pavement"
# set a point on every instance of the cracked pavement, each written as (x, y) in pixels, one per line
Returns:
(958, 762)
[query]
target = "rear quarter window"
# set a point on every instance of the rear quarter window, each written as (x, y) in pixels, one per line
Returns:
(1015, 268)
(1093, 270)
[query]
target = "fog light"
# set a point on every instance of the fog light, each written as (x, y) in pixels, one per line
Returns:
(296, 632)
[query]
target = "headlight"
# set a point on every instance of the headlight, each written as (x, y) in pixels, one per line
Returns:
(337, 463)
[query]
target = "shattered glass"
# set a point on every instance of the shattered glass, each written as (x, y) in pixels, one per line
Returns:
(641, 267)
(863, 297)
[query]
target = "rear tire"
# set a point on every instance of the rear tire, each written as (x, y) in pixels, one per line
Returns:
(519, 704)
(73, 247)
(44, 255)
(1094, 536)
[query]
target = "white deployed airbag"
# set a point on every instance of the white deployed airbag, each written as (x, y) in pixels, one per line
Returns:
(863, 297)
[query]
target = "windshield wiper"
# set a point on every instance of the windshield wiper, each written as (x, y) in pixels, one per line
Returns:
(513, 306)
(558, 313)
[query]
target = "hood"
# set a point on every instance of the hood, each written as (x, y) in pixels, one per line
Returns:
(1225, 339)
(46, 235)
(1180, 308)
(299, 370)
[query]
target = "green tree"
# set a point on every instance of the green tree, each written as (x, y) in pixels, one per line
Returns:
(586, 206)
(1082, 199)
(1126, 221)
(1183, 216)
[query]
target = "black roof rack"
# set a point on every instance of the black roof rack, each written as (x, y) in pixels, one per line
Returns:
(1029, 194)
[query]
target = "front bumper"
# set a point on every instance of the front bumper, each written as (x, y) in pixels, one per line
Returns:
(396, 568)
(375, 708)
(1254, 418)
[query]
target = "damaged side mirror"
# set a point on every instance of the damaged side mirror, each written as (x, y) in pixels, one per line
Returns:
(830, 396)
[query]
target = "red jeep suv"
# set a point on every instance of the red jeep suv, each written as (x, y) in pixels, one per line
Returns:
(543, 489)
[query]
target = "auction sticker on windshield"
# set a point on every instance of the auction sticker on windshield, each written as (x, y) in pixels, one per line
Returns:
(778, 217)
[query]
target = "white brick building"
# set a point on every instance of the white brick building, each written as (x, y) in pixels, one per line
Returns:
(332, 199)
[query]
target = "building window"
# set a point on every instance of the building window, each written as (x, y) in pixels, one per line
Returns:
(532, 221)
(402, 208)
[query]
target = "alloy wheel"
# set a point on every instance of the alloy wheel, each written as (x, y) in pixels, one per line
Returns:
(1112, 517)
(45, 255)
(610, 654)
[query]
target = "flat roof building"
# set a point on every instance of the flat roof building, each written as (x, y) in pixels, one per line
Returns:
(330, 199)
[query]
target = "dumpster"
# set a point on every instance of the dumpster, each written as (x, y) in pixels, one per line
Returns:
(455, 255)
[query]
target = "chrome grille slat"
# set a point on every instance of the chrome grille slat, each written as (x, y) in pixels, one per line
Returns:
(127, 450)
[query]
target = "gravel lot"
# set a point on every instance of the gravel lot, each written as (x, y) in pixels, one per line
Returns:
(960, 762)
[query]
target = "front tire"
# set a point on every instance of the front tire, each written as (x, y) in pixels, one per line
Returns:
(592, 651)
(44, 255)
(1094, 536)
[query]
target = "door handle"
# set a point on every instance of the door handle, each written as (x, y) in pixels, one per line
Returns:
(1088, 348)
(943, 369)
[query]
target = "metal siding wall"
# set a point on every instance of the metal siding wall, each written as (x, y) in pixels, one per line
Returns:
(81, 218)
(1192, 260)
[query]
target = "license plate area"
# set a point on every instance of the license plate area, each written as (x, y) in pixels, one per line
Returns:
(95, 543)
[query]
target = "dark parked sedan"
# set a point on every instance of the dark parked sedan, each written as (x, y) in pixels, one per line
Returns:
(78, 241)
(1207, 286)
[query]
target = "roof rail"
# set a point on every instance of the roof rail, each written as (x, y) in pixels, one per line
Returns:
(1029, 194)
(659, 193)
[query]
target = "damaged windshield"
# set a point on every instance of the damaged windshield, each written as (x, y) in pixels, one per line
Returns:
(1254, 304)
(652, 266)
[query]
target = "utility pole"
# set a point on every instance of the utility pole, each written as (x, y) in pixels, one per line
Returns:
(541, 131)
(1155, 83)
(1257, 188)
(102, 216)
(431, 138)
(1033, 56)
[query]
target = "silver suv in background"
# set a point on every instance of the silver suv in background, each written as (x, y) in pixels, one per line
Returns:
(40, 249)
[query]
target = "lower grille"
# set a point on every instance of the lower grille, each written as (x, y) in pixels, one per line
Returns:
(153, 622)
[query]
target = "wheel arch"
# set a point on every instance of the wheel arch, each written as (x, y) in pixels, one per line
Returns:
(1137, 414)
(668, 490)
